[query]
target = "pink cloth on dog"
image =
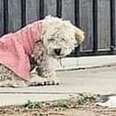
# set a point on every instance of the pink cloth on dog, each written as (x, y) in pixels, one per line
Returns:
(15, 48)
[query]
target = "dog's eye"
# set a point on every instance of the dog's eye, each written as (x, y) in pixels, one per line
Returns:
(63, 39)
(51, 39)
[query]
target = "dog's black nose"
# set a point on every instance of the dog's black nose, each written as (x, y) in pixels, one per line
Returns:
(57, 51)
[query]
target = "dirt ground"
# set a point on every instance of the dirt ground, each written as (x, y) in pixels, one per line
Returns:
(80, 111)
(75, 106)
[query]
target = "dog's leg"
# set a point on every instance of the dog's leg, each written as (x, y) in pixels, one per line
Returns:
(44, 73)
(47, 70)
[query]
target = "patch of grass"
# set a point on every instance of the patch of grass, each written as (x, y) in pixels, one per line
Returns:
(85, 98)
(73, 102)
(61, 104)
(32, 105)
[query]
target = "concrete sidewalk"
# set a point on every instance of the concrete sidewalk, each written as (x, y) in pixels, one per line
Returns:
(97, 80)
(86, 62)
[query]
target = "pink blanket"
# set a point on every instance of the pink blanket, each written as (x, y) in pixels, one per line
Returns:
(15, 48)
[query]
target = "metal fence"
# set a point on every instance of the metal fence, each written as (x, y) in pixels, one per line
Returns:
(96, 17)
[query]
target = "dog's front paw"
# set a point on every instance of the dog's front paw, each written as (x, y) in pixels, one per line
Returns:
(52, 82)
(37, 81)
(40, 81)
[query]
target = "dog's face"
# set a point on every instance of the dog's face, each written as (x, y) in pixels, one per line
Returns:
(60, 37)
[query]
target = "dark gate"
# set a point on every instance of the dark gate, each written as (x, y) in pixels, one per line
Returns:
(96, 17)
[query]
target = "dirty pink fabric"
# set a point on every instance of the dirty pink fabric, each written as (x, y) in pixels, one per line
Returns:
(15, 48)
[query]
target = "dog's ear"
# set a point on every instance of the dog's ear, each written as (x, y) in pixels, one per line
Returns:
(79, 35)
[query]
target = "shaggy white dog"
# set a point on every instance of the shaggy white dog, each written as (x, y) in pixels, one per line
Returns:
(58, 38)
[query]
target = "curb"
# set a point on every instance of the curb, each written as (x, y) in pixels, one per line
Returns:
(74, 63)
(21, 99)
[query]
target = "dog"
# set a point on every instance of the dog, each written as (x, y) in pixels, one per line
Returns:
(27, 55)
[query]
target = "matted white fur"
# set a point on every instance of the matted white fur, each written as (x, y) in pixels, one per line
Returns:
(59, 33)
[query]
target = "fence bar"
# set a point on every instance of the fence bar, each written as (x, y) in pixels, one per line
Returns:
(5, 5)
(95, 27)
(23, 13)
(77, 22)
(41, 10)
(112, 20)
(59, 8)
(77, 13)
